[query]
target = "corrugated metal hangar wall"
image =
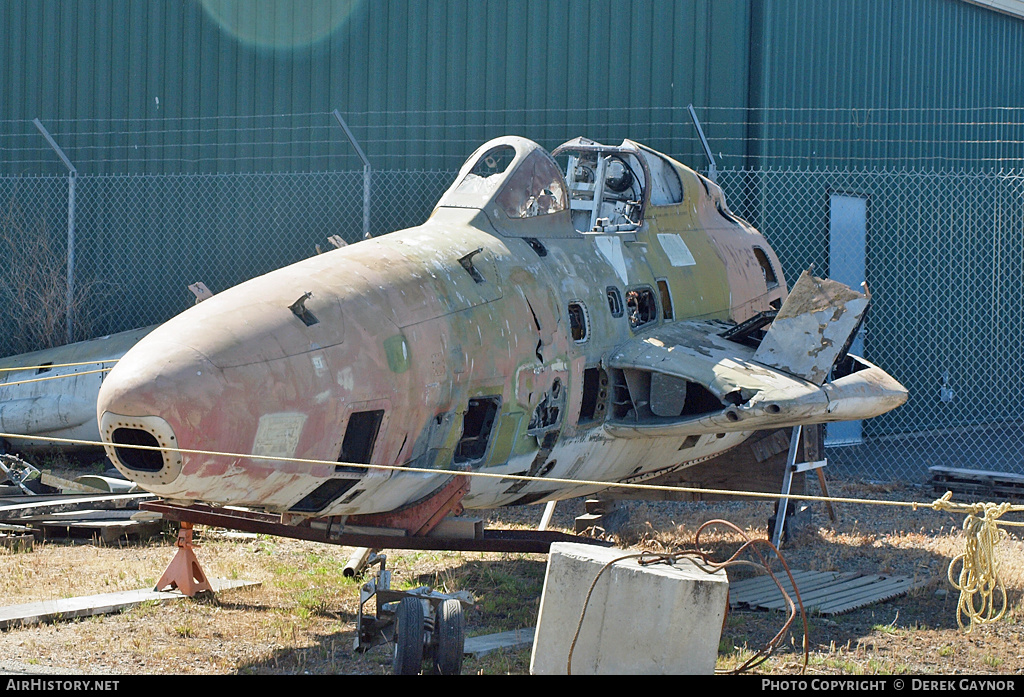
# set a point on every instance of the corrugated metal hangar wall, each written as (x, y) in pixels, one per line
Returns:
(422, 83)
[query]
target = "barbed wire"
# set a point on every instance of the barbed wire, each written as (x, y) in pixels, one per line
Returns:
(980, 137)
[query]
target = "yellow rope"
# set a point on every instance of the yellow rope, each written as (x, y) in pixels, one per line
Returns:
(982, 592)
(981, 588)
(55, 377)
(14, 369)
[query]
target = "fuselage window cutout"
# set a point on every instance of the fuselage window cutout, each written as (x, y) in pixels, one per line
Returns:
(614, 301)
(360, 436)
(770, 279)
(537, 246)
(666, 299)
(325, 494)
(298, 308)
(641, 307)
(578, 322)
(477, 426)
(467, 264)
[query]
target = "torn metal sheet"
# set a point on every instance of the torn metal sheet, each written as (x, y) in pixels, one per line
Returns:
(813, 328)
(62, 503)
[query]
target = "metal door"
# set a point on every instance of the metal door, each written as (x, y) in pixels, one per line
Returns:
(847, 248)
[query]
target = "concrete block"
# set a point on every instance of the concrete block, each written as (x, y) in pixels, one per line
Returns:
(641, 620)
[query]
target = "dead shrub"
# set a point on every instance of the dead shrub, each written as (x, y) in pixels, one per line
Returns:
(34, 288)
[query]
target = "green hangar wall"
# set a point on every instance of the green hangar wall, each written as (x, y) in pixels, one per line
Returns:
(422, 83)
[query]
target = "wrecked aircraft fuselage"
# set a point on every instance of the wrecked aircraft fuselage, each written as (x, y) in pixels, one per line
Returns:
(555, 320)
(52, 393)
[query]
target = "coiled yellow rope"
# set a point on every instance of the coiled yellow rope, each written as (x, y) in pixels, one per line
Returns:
(982, 592)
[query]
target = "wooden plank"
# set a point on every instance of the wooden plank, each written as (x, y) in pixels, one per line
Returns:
(105, 530)
(812, 600)
(61, 483)
(977, 483)
(21, 542)
(956, 472)
(46, 611)
(804, 579)
(514, 639)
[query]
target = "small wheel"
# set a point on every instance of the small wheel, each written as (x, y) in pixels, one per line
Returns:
(408, 638)
(451, 638)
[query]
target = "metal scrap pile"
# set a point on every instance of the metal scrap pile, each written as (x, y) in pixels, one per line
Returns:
(36, 504)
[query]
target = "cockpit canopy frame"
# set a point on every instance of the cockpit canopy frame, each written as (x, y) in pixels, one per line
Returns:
(603, 188)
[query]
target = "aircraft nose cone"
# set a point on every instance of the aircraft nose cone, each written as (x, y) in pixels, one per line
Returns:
(153, 391)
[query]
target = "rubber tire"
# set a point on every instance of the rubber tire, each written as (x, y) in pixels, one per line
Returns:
(451, 638)
(408, 658)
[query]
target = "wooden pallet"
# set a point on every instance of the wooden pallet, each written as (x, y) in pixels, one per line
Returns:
(108, 526)
(822, 592)
(978, 485)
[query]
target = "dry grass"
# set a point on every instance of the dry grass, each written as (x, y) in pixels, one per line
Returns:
(301, 618)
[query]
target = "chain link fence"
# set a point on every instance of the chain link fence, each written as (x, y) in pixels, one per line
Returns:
(140, 240)
(945, 266)
(944, 260)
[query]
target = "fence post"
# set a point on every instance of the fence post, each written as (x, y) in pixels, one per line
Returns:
(712, 165)
(367, 172)
(72, 179)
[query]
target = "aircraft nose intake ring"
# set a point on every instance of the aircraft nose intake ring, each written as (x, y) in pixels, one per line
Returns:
(123, 435)
(135, 458)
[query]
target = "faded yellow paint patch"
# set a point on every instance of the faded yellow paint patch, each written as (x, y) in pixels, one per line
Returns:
(700, 290)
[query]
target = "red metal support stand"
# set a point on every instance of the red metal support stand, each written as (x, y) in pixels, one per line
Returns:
(184, 572)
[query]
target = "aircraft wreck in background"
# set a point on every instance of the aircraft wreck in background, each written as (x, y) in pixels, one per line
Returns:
(52, 393)
(603, 319)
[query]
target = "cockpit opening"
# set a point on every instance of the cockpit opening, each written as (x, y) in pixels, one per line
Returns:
(606, 186)
(641, 307)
